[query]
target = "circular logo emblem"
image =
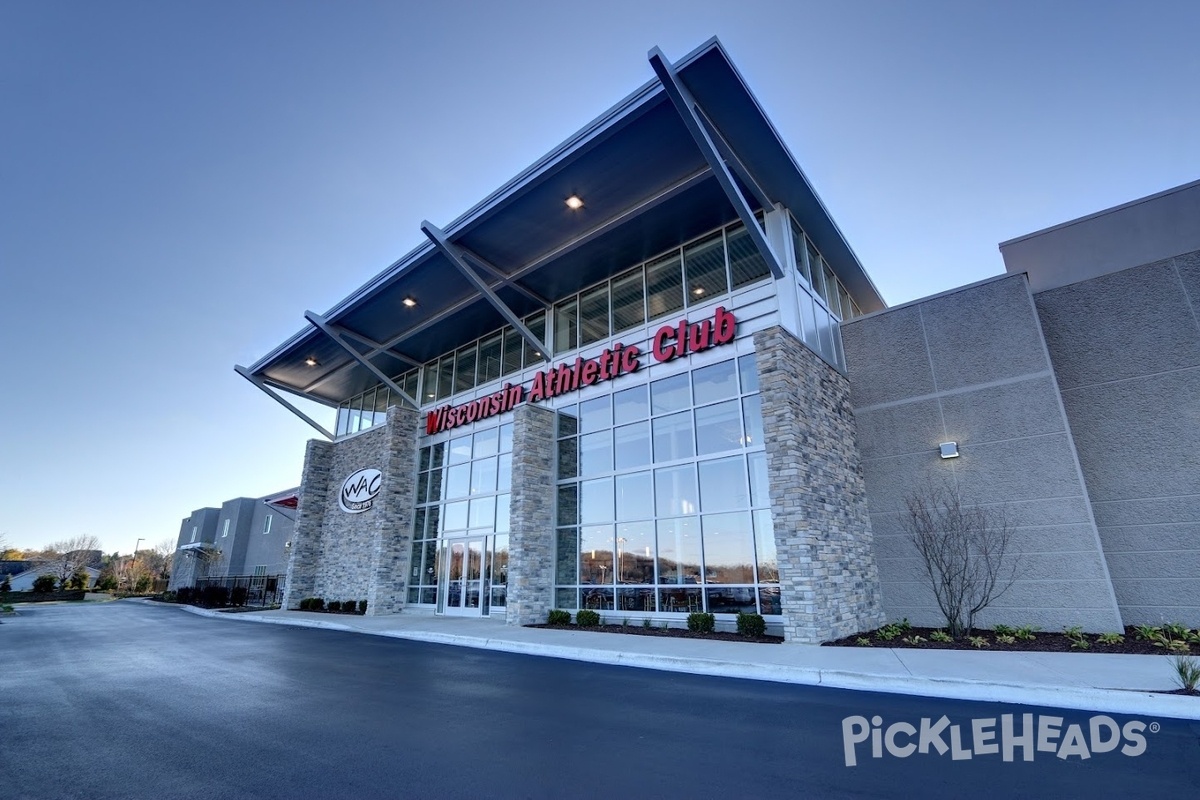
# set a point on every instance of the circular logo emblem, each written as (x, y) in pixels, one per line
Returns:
(359, 490)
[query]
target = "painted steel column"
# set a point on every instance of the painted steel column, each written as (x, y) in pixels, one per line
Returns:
(245, 373)
(334, 332)
(686, 106)
(455, 257)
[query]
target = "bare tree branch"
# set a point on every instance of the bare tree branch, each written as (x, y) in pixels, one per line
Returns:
(965, 550)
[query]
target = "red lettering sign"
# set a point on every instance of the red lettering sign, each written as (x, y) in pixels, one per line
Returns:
(669, 343)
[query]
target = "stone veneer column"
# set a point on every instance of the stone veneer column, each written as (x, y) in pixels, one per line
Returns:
(304, 556)
(391, 547)
(531, 542)
(828, 579)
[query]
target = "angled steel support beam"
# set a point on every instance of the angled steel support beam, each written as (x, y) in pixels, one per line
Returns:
(686, 106)
(454, 255)
(496, 274)
(377, 347)
(678, 188)
(336, 332)
(245, 373)
(735, 163)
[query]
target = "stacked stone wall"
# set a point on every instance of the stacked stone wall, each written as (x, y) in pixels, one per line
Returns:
(828, 579)
(531, 546)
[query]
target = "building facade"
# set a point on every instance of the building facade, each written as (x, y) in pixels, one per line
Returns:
(244, 538)
(648, 376)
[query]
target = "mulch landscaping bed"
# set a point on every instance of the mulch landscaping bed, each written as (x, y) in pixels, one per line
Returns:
(1042, 642)
(672, 633)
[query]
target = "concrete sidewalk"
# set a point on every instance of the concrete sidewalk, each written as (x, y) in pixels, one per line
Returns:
(1119, 684)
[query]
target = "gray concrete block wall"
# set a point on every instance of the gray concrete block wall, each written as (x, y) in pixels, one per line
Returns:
(532, 538)
(828, 581)
(970, 366)
(1126, 350)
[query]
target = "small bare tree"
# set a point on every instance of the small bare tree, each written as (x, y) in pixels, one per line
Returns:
(965, 550)
(70, 556)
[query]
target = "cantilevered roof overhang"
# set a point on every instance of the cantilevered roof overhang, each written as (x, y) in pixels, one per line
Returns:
(646, 185)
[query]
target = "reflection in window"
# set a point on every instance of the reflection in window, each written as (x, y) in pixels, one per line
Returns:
(679, 551)
(664, 286)
(718, 427)
(628, 301)
(704, 263)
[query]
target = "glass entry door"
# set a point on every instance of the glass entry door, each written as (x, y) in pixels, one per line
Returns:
(462, 566)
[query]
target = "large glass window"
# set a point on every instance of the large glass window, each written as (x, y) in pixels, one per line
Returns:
(463, 491)
(664, 286)
(684, 523)
(704, 263)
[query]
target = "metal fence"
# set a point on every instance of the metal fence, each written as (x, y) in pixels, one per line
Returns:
(261, 591)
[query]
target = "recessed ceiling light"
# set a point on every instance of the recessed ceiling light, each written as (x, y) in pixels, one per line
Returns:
(408, 302)
(699, 290)
(312, 362)
(574, 203)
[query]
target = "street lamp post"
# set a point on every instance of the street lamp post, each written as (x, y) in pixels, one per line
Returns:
(133, 562)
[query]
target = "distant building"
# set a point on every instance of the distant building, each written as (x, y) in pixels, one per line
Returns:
(245, 537)
(23, 581)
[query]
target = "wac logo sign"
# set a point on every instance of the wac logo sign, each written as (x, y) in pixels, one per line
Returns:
(359, 490)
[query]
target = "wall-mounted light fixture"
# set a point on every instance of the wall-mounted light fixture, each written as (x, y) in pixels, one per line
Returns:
(948, 449)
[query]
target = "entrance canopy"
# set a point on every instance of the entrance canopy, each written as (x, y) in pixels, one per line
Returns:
(685, 153)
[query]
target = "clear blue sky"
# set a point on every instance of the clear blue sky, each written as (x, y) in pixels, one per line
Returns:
(181, 180)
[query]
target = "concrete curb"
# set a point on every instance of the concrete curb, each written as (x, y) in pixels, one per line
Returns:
(1113, 701)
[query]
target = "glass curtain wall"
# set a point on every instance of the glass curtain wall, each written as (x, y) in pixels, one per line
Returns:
(692, 274)
(463, 491)
(662, 501)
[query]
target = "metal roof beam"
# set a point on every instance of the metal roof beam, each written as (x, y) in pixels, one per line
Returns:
(504, 280)
(687, 108)
(245, 373)
(336, 332)
(735, 163)
(377, 347)
(633, 211)
(455, 256)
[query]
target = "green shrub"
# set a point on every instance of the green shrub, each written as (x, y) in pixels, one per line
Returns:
(646, 623)
(316, 604)
(215, 596)
(169, 597)
(700, 622)
(751, 624)
(5, 585)
(558, 617)
(238, 596)
(1110, 638)
(335, 605)
(362, 606)
(941, 636)
(44, 584)
(184, 595)
(1187, 672)
(587, 618)
(305, 602)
